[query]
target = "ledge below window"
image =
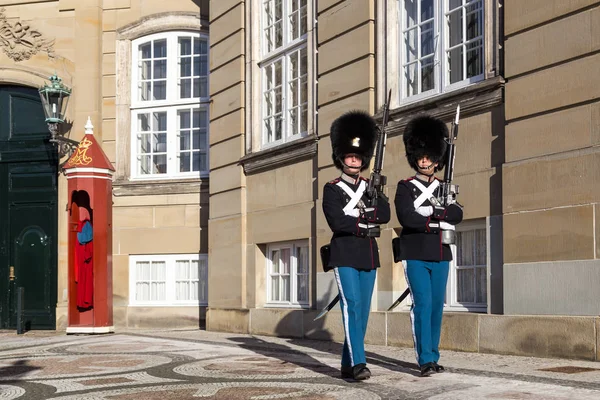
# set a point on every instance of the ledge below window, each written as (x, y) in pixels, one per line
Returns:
(279, 156)
(158, 187)
(473, 99)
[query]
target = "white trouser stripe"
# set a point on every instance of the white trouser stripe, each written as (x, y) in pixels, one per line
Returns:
(412, 308)
(345, 313)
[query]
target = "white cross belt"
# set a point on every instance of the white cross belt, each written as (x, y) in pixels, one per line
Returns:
(426, 192)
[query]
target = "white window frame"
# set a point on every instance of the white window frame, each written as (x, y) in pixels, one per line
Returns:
(172, 104)
(451, 288)
(170, 261)
(293, 247)
(283, 53)
(394, 62)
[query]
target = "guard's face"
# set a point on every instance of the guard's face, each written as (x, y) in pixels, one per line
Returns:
(426, 166)
(352, 164)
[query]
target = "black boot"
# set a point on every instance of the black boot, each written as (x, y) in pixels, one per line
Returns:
(346, 372)
(438, 368)
(360, 372)
(427, 369)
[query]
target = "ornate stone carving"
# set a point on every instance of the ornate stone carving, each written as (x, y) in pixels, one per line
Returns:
(20, 42)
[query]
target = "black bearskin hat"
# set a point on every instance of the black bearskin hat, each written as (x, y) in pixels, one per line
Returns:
(353, 132)
(426, 136)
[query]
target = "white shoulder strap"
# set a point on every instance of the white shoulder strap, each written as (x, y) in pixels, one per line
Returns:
(354, 196)
(426, 192)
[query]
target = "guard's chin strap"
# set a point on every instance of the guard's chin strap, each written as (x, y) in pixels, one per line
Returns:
(428, 176)
(341, 160)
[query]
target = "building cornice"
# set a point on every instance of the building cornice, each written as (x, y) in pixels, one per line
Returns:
(159, 187)
(473, 99)
(281, 155)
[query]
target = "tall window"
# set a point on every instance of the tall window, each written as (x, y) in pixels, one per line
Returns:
(442, 45)
(168, 280)
(467, 284)
(287, 274)
(284, 70)
(169, 105)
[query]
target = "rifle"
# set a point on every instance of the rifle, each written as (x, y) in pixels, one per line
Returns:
(448, 192)
(376, 182)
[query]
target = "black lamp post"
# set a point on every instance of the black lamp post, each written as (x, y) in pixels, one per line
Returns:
(55, 97)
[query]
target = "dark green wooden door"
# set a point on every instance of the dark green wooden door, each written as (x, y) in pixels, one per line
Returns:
(28, 210)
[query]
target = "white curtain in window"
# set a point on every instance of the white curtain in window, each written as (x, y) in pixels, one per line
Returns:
(302, 274)
(471, 272)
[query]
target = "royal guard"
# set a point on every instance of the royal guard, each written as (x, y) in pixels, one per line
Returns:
(425, 254)
(354, 255)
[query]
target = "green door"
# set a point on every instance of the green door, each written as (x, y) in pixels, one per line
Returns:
(28, 211)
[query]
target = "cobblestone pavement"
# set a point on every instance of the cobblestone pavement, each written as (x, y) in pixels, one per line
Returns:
(194, 364)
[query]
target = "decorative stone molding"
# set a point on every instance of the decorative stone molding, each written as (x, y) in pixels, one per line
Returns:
(20, 42)
(162, 22)
(472, 99)
(278, 156)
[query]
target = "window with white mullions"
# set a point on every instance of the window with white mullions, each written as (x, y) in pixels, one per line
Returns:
(298, 92)
(186, 280)
(174, 279)
(298, 18)
(273, 25)
(193, 67)
(169, 110)
(465, 40)
(284, 70)
(192, 130)
(273, 101)
(280, 275)
(152, 142)
(441, 46)
(288, 274)
(150, 284)
(153, 70)
(419, 46)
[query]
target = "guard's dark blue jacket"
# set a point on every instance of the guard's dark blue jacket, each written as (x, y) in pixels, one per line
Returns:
(419, 240)
(350, 245)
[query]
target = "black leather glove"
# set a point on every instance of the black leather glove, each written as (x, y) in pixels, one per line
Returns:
(439, 212)
(374, 231)
(452, 212)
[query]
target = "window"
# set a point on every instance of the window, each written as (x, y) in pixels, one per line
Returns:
(287, 274)
(284, 71)
(159, 280)
(169, 106)
(442, 46)
(467, 283)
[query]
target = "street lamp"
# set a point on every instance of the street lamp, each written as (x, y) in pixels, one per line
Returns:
(55, 98)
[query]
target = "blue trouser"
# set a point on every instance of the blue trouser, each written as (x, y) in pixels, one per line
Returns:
(427, 283)
(356, 289)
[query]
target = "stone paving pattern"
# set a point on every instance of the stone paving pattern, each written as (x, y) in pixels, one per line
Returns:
(195, 364)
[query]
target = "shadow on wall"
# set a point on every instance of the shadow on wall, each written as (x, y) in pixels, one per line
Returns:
(498, 158)
(203, 6)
